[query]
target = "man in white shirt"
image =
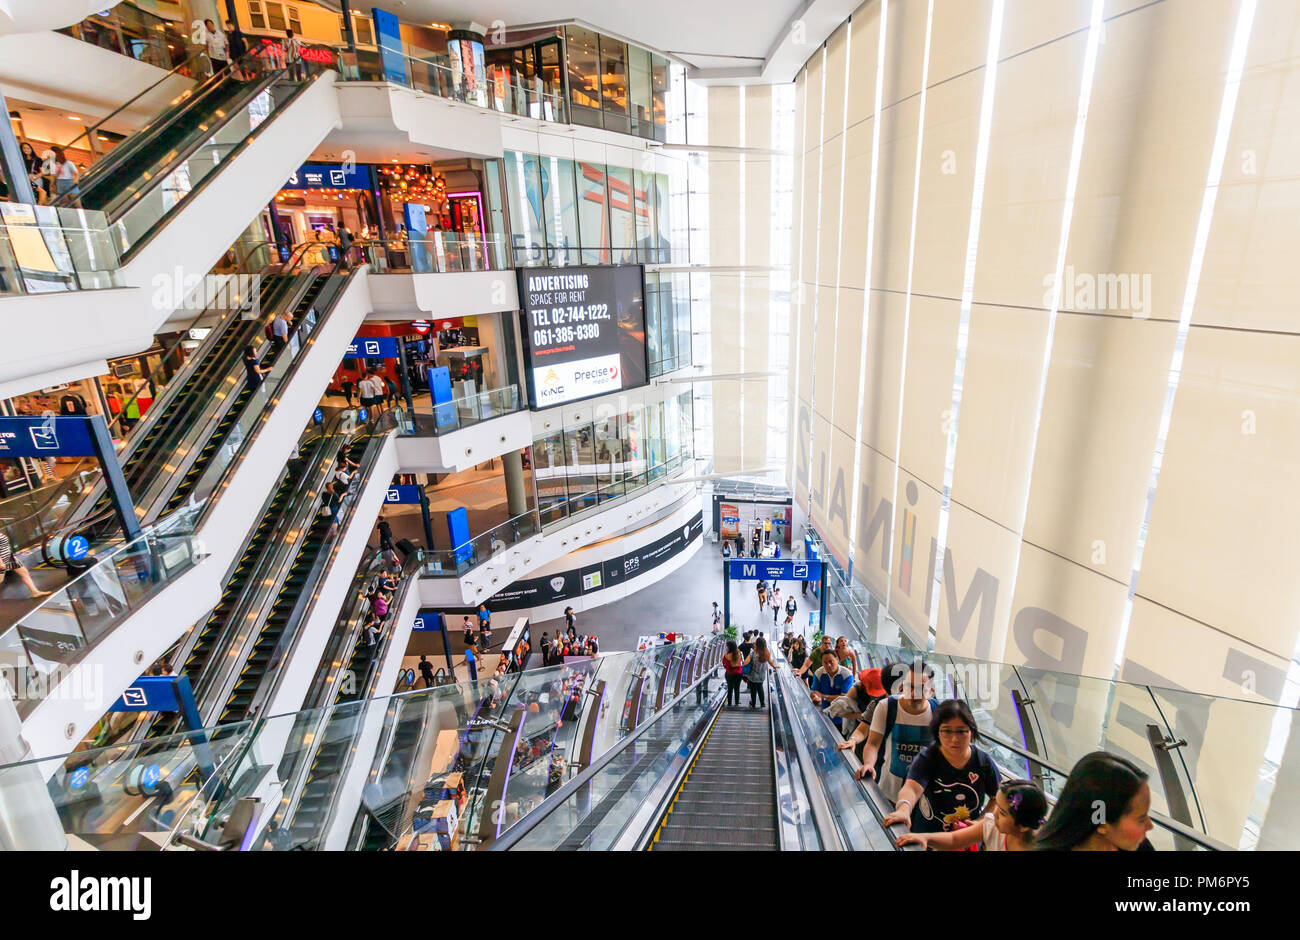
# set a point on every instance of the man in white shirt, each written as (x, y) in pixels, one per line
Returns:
(218, 47)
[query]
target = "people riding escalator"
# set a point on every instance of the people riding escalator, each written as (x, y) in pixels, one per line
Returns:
(758, 664)
(732, 666)
(253, 366)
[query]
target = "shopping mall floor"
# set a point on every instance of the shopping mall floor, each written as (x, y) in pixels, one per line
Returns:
(682, 603)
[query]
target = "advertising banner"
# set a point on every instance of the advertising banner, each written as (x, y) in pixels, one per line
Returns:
(729, 521)
(584, 331)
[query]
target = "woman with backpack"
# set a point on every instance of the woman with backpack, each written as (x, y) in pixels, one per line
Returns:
(732, 666)
(951, 782)
(755, 672)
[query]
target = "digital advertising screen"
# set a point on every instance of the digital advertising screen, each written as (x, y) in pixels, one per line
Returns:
(583, 330)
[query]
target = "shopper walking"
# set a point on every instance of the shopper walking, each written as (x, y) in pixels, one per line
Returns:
(732, 665)
(386, 539)
(759, 662)
(426, 672)
(253, 368)
(65, 174)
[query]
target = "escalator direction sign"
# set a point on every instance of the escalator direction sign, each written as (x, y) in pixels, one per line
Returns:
(403, 493)
(774, 569)
(372, 347)
(149, 694)
(50, 436)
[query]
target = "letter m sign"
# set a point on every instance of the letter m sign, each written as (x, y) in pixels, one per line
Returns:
(750, 570)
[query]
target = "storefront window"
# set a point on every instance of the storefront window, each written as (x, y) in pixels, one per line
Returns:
(593, 213)
(524, 195)
(638, 83)
(583, 53)
(580, 466)
(613, 83)
(661, 225)
(561, 211)
(609, 458)
(634, 458)
(548, 470)
(622, 227)
(655, 440)
(643, 212)
(659, 81)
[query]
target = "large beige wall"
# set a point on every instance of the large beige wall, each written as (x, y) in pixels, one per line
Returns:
(1060, 395)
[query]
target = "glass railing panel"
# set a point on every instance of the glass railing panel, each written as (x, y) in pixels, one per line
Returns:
(145, 200)
(434, 252)
(48, 249)
(433, 419)
(62, 629)
(1224, 752)
(144, 787)
(635, 778)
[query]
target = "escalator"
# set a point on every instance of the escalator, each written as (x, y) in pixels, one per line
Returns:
(728, 799)
(145, 180)
(331, 749)
(222, 431)
(277, 622)
(216, 624)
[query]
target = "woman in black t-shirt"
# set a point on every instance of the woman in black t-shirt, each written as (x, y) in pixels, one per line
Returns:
(951, 782)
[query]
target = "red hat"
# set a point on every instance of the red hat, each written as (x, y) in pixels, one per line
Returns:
(870, 679)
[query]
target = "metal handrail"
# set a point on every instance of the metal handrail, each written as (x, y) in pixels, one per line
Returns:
(134, 98)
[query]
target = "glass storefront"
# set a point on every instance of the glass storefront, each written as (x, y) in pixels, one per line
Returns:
(572, 212)
(615, 85)
(587, 464)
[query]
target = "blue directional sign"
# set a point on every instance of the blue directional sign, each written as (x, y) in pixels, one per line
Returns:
(318, 416)
(151, 776)
(372, 347)
(403, 493)
(79, 778)
(774, 569)
(76, 547)
(51, 436)
(361, 413)
(148, 694)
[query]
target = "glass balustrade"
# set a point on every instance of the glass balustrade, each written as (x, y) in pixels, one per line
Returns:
(50, 249)
(434, 252)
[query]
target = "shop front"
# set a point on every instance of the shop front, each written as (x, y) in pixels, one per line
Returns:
(123, 395)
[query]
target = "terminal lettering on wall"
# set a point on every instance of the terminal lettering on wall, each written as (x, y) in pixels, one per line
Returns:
(584, 331)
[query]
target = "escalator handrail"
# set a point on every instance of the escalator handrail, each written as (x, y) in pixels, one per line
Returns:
(66, 524)
(102, 169)
(298, 772)
(323, 309)
(823, 820)
(213, 687)
(305, 604)
(94, 128)
(872, 795)
(149, 234)
(525, 824)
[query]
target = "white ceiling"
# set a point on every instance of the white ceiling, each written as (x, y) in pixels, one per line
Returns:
(721, 40)
(738, 31)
